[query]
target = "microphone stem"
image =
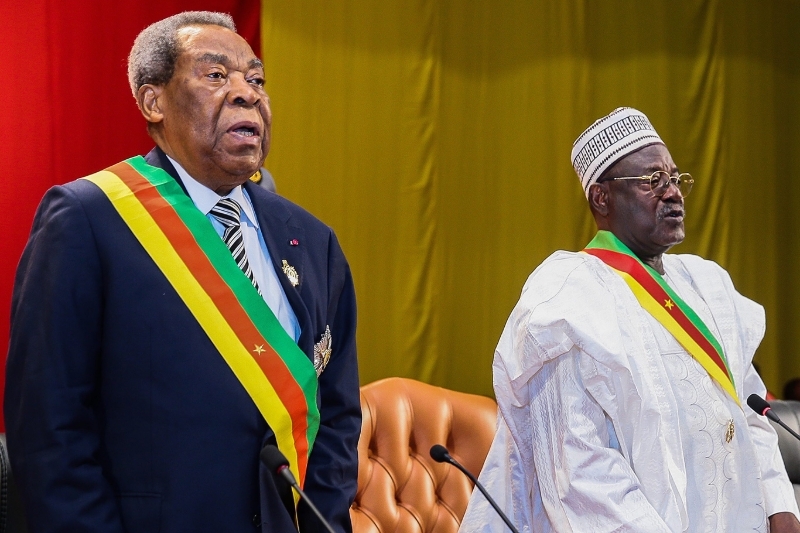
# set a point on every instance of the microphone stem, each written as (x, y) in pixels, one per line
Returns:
(787, 428)
(485, 494)
(313, 507)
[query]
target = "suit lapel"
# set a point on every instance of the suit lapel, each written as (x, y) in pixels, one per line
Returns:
(279, 233)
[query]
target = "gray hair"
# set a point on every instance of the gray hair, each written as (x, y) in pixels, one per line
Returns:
(156, 48)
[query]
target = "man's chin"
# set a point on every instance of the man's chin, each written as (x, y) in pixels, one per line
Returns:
(244, 166)
(673, 238)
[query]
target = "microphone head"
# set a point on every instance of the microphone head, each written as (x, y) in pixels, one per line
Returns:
(758, 404)
(273, 458)
(440, 454)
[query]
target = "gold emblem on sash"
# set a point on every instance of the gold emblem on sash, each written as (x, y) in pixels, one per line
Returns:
(291, 273)
(730, 431)
(322, 351)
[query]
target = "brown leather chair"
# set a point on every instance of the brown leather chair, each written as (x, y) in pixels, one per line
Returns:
(789, 413)
(400, 488)
(12, 515)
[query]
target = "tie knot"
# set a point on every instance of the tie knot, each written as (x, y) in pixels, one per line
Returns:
(228, 212)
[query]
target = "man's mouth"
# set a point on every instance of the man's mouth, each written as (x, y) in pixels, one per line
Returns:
(673, 213)
(245, 129)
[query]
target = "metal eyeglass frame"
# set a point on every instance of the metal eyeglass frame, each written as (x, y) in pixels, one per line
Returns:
(681, 181)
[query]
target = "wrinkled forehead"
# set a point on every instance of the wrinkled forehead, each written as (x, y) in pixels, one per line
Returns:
(215, 44)
(227, 61)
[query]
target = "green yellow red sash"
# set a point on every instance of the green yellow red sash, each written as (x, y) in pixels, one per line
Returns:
(666, 306)
(277, 375)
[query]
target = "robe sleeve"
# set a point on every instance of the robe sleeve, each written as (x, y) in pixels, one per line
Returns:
(556, 459)
(776, 487)
(585, 482)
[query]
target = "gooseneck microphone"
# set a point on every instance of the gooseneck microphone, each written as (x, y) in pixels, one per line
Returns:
(762, 407)
(277, 463)
(440, 454)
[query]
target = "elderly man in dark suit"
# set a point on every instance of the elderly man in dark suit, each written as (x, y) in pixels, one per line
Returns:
(171, 319)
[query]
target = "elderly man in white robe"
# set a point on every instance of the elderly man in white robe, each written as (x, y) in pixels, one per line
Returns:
(622, 373)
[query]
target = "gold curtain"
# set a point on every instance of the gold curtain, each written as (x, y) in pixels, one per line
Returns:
(434, 137)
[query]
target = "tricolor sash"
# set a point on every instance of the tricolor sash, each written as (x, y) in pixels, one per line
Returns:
(658, 298)
(277, 375)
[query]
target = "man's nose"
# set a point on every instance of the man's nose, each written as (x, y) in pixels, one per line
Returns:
(673, 192)
(243, 92)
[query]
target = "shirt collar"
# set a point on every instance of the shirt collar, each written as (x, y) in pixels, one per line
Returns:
(205, 199)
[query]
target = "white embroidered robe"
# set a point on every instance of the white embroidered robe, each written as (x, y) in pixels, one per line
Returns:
(607, 424)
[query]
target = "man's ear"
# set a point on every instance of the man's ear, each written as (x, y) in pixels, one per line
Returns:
(599, 198)
(147, 97)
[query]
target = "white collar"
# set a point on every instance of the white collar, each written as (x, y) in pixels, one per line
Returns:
(205, 199)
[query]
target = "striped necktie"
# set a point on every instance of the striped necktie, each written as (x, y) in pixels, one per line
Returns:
(228, 213)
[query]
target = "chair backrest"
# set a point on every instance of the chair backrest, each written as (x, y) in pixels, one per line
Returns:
(12, 516)
(400, 488)
(789, 413)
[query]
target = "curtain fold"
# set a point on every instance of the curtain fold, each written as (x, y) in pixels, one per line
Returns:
(434, 137)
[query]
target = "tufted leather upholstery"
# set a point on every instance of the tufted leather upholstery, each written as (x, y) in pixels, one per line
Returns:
(12, 516)
(400, 488)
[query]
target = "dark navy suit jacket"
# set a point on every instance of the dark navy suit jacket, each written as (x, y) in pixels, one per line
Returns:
(122, 416)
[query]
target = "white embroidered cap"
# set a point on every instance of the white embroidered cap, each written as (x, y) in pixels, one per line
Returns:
(608, 140)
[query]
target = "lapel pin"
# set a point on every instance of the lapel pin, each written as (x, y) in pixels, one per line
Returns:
(294, 242)
(291, 273)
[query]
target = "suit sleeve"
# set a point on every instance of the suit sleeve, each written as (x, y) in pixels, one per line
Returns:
(331, 480)
(52, 421)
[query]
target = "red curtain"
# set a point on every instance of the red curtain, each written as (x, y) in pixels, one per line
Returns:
(65, 107)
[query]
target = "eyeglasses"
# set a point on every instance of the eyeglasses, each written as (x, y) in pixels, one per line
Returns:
(660, 180)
